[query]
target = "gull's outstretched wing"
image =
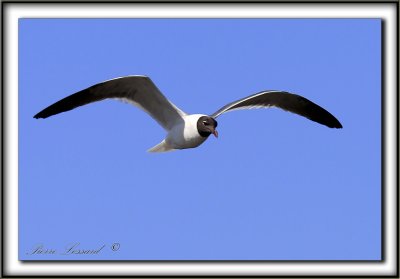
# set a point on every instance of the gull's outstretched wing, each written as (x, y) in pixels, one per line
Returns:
(286, 101)
(137, 90)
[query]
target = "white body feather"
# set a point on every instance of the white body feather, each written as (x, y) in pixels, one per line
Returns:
(181, 136)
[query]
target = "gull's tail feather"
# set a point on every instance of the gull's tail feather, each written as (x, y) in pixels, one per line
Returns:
(161, 147)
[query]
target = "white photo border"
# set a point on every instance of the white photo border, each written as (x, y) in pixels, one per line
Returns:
(388, 267)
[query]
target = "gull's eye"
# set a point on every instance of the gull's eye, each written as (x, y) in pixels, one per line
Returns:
(205, 122)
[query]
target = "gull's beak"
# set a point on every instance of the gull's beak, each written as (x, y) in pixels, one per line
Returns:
(215, 133)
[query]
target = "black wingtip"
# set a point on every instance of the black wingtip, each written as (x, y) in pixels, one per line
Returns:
(337, 124)
(41, 114)
(37, 116)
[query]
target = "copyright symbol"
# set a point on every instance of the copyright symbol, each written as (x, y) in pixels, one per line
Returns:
(115, 246)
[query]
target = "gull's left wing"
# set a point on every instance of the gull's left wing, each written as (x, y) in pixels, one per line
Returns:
(286, 101)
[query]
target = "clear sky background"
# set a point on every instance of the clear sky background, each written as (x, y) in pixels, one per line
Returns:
(273, 186)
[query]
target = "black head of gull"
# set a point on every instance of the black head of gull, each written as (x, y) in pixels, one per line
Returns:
(206, 126)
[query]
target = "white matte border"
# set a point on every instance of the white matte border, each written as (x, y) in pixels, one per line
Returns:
(13, 11)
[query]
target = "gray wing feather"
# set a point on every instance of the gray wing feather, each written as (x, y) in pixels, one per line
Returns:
(137, 90)
(286, 101)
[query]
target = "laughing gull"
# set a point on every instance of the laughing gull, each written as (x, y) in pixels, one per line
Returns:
(184, 130)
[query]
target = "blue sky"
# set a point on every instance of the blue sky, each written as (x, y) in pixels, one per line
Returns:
(273, 186)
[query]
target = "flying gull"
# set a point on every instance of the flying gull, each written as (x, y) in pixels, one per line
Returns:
(184, 130)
